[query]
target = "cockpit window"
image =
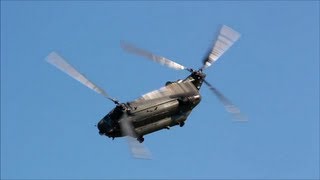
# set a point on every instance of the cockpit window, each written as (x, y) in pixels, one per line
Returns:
(116, 113)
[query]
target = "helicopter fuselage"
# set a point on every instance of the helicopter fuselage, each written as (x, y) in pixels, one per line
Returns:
(160, 109)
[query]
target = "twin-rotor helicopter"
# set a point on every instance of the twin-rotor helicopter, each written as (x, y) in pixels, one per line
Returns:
(159, 109)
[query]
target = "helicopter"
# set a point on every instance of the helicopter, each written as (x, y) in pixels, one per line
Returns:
(162, 108)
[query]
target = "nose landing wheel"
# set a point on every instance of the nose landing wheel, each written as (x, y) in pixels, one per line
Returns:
(140, 139)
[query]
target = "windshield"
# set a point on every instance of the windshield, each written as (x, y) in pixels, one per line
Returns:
(116, 113)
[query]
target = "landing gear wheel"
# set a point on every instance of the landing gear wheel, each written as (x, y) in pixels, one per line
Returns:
(140, 139)
(181, 124)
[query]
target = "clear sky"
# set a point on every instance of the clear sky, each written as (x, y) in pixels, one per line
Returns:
(271, 73)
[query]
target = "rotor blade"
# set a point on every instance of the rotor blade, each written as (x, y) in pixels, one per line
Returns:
(56, 60)
(229, 106)
(138, 150)
(225, 39)
(159, 59)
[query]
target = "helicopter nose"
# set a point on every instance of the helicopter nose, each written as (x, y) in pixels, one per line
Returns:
(103, 127)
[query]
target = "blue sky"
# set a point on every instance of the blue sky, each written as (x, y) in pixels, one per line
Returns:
(271, 73)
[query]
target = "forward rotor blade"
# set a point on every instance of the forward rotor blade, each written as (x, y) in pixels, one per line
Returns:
(229, 106)
(225, 39)
(56, 60)
(138, 150)
(159, 59)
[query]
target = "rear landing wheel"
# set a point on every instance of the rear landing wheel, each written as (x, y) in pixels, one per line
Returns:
(140, 139)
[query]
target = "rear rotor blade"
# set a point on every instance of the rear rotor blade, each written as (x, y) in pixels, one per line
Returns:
(159, 59)
(56, 60)
(225, 39)
(138, 150)
(229, 106)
